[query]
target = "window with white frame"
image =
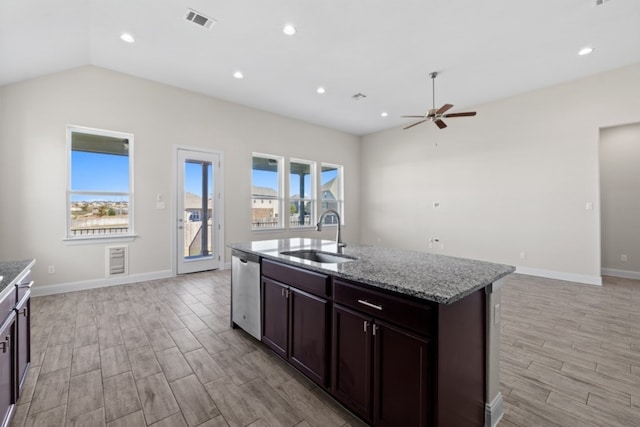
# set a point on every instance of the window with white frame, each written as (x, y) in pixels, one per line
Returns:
(301, 193)
(331, 188)
(100, 183)
(266, 192)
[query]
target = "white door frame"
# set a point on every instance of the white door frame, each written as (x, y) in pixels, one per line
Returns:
(218, 206)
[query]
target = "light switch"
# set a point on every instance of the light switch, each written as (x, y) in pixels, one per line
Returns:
(159, 205)
(496, 314)
(589, 206)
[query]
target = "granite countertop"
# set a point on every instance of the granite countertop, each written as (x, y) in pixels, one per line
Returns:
(438, 278)
(11, 271)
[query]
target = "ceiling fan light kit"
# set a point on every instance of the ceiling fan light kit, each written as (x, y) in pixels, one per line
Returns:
(436, 115)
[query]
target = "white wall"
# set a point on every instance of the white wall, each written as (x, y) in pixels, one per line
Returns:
(620, 199)
(33, 117)
(515, 178)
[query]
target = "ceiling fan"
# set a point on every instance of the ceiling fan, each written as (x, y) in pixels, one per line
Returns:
(434, 115)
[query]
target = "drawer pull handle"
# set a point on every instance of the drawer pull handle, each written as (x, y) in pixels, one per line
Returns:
(368, 304)
(26, 285)
(5, 345)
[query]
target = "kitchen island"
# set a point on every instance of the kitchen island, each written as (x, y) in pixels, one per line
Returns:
(398, 337)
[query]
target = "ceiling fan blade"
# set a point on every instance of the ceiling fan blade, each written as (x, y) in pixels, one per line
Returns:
(416, 123)
(469, 114)
(414, 117)
(440, 124)
(444, 108)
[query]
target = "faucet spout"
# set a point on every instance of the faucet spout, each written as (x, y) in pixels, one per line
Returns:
(339, 244)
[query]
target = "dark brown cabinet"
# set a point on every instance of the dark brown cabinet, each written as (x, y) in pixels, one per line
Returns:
(401, 377)
(351, 361)
(275, 316)
(380, 372)
(295, 318)
(7, 369)
(309, 335)
(23, 341)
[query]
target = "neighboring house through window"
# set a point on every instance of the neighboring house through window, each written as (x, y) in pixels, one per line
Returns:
(266, 192)
(332, 194)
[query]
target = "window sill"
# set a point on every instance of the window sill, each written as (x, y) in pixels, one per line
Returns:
(268, 230)
(97, 240)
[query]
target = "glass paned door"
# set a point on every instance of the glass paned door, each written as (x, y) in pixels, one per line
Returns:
(197, 211)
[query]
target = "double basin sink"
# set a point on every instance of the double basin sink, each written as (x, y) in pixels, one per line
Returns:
(319, 256)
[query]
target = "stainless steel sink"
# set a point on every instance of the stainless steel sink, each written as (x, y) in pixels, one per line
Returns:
(319, 256)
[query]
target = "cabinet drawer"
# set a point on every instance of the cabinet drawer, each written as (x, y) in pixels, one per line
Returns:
(397, 310)
(23, 286)
(7, 304)
(308, 281)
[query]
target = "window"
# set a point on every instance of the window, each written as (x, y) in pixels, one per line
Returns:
(301, 200)
(332, 195)
(266, 196)
(99, 195)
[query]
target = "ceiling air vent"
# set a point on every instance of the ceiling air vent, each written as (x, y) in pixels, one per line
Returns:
(199, 18)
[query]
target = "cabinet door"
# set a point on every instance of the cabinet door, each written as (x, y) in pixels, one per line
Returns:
(309, 335)
(23, 339)
(275, 316)
(7, 373)
(401, 378)
(351, 362)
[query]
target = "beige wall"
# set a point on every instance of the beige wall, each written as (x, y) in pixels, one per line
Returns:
(516, 178)
(620, 198)
(33, 116)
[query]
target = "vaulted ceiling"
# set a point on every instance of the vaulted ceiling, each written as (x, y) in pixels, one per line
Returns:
(385, 50)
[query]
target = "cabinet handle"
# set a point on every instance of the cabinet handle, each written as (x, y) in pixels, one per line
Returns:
(24, 312)
(5, 345)
(26, 285)
(368, 304)
(374, 329)
(366, 326)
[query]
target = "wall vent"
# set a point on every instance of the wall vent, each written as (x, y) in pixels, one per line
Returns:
(199, 19)
(116, 261)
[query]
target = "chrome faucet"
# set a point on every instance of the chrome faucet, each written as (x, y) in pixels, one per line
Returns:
(340, 245)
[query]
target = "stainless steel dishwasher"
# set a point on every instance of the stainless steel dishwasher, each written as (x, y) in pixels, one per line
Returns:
(245, 292)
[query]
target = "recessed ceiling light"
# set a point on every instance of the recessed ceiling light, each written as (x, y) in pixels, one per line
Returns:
(320, 90)
(127, 38)
(585, 51)
(238, 75)
(289, 29)
(384, 114)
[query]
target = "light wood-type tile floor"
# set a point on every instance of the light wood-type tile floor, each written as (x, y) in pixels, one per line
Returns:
(161, 353)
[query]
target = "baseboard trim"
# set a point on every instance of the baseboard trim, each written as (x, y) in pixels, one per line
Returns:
(493, 411)
(569, 277)
(625, 274)
(39, 291)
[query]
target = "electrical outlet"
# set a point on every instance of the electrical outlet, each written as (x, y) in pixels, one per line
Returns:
(52, 269)
(623, 258)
